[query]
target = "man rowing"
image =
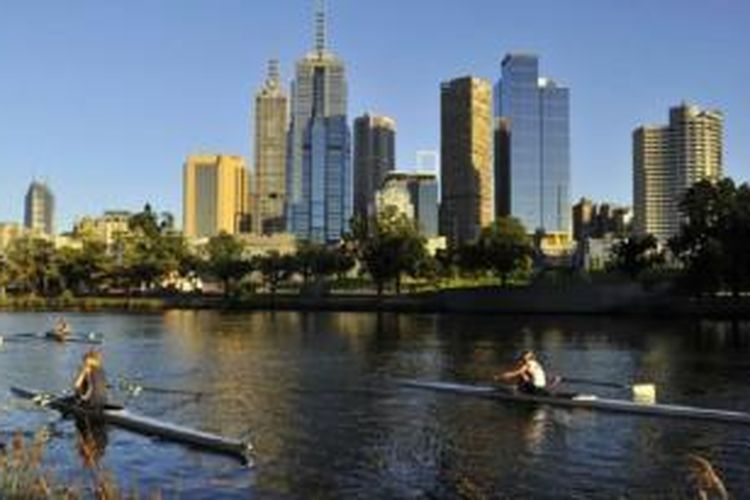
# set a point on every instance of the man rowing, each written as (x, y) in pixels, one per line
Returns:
(61, 331)
(90, 386)
(528, 375)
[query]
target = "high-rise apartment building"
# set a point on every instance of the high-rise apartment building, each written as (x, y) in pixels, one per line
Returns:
(271, 120)
(374, 158)
(215, 196)
(319, 180)
(414, 194)
(667, 160)
(39, 213)
(466, 159)
(532, 156)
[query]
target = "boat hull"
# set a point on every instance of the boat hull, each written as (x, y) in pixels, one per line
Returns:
(583, 402)
(124, 419)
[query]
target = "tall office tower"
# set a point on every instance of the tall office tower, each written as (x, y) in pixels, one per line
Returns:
(271, 119)
(319, 180)
(532, 160)
(215, 194)
(414, 194)
(466, 159)
(667, 160)
(374, 157)
(40, 209)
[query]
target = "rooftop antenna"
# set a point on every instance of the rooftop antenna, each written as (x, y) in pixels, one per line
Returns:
(320, 26)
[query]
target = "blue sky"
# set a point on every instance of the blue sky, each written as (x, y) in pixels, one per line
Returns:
(104, 100)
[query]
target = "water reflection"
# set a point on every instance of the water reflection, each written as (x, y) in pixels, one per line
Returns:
(318, 395)
(91, 442)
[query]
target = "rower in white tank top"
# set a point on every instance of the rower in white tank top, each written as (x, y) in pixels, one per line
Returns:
(528, 374)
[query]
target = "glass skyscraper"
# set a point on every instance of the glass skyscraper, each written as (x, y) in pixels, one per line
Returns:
(532, 150)
(319, 180)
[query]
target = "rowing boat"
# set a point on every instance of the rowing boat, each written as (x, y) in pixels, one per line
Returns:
(124, 419)
(90, 339)
(586, 402)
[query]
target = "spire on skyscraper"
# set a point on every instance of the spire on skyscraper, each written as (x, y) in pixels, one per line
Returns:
(320, 26)
(273, 73)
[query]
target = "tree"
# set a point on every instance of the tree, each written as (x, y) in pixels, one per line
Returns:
(505, 247)
(388, 246)
(86, 269)
(321, 261)
(32, 264)
(151, 251)
(635, 255)
(276, 269)
(226, 261)
(4, 276)
(714, 237)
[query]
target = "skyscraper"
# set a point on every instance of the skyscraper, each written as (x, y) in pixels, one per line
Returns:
(271, 119)
(667, 160)
(374, 157)
(215, 196)
(319, 190)
(39, 214)
(532, 160)
(466, 158)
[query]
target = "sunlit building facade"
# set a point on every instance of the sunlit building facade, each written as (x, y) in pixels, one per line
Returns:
(667, 160)
(215, 196)
(271, 121)
(466, 159)
(414, 194)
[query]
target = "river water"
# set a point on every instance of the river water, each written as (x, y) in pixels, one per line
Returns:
(317, 394)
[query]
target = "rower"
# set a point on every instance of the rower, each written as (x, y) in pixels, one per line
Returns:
(90, 386)
(61, 331)
(528, 375)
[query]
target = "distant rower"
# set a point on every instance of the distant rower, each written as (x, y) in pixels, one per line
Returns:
(91, 384)
(61, 331)
(528, 375)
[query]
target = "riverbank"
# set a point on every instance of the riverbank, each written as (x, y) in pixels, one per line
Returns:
(575, 299)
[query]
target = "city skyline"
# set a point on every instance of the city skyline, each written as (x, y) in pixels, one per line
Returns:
(130, 98)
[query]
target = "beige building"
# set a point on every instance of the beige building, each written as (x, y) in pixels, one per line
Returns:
(9, 231)
(271, 120)
(105, 228)
(667, 160)
(466, 159)
(216, 196)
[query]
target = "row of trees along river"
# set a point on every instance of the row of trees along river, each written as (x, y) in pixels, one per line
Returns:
(708, 255)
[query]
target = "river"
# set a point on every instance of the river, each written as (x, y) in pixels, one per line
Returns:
(316, 393)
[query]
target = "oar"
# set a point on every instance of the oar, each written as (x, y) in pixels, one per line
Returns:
(135, 388)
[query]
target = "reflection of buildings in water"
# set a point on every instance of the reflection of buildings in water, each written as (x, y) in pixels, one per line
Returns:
(242, 366)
